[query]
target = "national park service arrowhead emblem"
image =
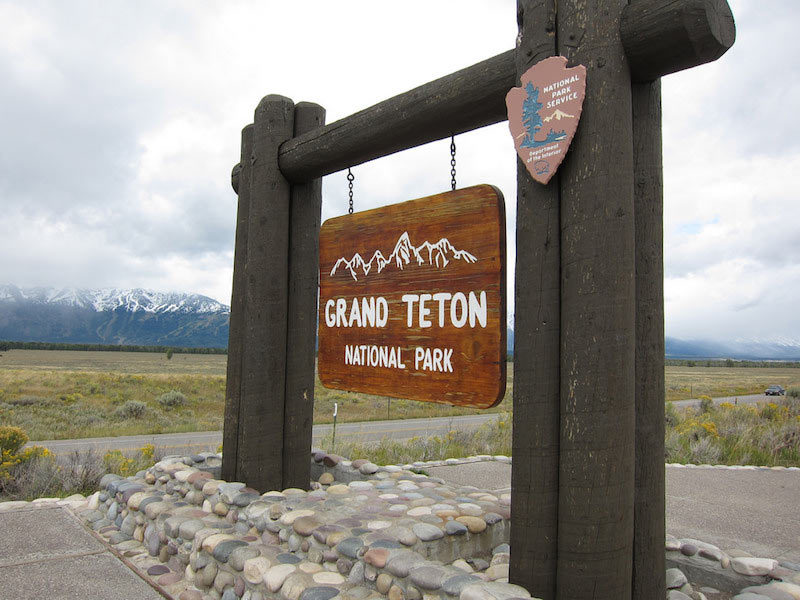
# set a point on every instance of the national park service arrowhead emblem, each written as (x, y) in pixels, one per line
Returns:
(543, 114)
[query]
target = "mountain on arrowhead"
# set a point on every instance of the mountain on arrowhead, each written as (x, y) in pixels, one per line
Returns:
(558, 115)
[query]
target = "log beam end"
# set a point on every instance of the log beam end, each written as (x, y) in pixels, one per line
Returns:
(237, 169)
(665, 36)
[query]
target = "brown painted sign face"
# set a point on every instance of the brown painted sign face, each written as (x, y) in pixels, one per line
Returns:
(543, 114)
(412, 299)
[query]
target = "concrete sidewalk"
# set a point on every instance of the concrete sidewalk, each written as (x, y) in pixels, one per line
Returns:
(750, 509)
(45, 552)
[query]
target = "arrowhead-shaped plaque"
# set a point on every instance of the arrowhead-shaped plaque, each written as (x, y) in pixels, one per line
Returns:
(543, 114)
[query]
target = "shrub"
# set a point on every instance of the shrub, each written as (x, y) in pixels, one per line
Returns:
(12, 439)
(793, 393)
(121, 464)
(44, 475)
(172, 399)
(771, 411)
(706, 404)
(704, 451)
(13, 458)
(27, 401)
(671, 418)
(132, 409)
(71, 398)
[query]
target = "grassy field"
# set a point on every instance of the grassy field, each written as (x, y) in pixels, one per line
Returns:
(693, 382)
(113, 362)
(72, 394)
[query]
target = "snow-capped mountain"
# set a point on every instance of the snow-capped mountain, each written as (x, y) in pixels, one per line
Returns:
(439, 255)
(777, 348)
(133, 300)
(112, 316)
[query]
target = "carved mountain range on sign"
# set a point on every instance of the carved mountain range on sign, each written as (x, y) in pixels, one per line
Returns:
(405, 253)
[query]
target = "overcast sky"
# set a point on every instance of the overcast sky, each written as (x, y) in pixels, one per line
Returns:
(120, 122)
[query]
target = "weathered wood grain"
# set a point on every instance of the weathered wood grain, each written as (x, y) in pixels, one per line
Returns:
(534, 478)
(596, 471)
(236, 338)
(301, 350)
(467, 99)
(470, 220)
(665, 36)
(261, 415)
(649, 524)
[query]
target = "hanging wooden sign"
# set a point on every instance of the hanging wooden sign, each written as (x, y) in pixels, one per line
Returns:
(412, 299)
(543, 114)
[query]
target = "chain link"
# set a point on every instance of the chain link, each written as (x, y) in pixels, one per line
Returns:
(350, 179)
(453, 162)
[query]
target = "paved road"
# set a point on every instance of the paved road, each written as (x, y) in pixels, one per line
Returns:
(748, 399)
(368, 431)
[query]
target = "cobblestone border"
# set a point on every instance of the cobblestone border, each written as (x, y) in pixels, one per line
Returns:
(200, 538)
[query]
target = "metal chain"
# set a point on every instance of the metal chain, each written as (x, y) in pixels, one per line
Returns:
(350, 178)
(453, 162)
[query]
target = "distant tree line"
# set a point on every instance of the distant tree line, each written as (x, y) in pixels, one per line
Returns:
(729, 362)
(10, 345)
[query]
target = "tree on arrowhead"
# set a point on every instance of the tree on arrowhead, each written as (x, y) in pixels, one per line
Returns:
(530, 114)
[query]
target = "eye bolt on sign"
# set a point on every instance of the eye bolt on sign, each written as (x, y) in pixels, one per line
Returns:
(412, 299)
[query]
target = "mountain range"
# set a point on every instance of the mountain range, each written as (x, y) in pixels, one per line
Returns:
(739, 349)
(144, 317)
(112, 316)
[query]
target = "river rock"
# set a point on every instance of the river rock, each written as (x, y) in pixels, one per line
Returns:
(275, 576)
(753, 566)
(319, 592)
(377, 557)
(350, 546)
(402, 562)
(427, 532)
(328, 578)
(428, 577)
(255, 568)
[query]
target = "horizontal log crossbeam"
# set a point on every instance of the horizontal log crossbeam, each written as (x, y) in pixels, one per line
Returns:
(659, 37)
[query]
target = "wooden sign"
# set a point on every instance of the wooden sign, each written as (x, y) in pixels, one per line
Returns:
(543, 114)
(412, 299)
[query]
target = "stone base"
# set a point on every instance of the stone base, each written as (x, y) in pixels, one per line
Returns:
(363, 531)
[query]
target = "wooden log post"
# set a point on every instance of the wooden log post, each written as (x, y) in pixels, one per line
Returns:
(659, 37)
(304, 223)
(534, 478)
(649, 566)
(261, 415)
(240, 180)
(596, 465)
